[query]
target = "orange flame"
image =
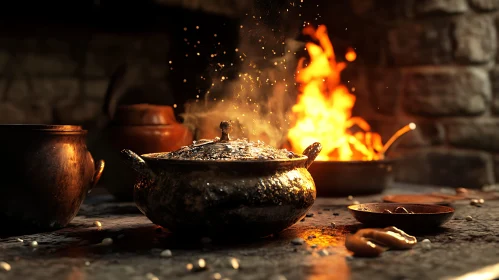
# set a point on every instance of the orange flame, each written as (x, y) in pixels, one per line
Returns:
(324, 108)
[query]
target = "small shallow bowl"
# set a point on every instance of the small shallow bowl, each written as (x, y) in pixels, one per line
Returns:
(426, 216)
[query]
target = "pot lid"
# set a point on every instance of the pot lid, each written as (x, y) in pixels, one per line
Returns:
(223, 148)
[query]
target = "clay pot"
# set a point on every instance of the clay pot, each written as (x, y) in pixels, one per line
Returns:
(143, 128)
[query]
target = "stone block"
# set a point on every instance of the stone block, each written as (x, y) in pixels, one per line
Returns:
(107, 51)
(79, 112)
(385, 87)
(385, 10)
(420, 43)
(26, 44)
(229, 8)
(496, 168)
(95, 68)
(476, 40)
(112, 43)
(100, 65)
(424, 7)
(158, 72)
(39, 112)
(18, 91)
(484, 5)
(3, 84)
(443, 167)
(358, 85)
(57, 45)
(11, 114)
(4, 59)
(156, 47)
(427, 133)
(482, 134)
(362, 7)
(447, 92)
(494, 80)
(55, 90)
(35, 95)
(96, 89)
(43, 64)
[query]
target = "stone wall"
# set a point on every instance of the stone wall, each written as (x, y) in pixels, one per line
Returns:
(56, 69)
(434, 63)
(61, 78)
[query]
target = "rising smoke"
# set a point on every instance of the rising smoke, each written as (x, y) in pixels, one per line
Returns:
(259, 99)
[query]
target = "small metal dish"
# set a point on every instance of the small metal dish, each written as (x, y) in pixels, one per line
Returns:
(424, 216)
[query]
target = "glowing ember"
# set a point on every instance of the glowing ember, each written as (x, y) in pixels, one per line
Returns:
(324, 108)
(350, 55)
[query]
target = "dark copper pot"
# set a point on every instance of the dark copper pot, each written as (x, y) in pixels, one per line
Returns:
(46, 174)
(143, 128)
(237, 198)
(343, 178)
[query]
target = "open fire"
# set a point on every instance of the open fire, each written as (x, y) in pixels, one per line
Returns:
(323, 112)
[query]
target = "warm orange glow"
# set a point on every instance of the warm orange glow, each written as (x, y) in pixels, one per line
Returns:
(324, 108)
(350, 55)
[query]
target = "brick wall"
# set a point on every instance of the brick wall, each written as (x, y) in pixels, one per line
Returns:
(432, 62)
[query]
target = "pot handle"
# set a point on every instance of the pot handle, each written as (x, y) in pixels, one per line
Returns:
(137, 163)
(312, 152)
(99, 168)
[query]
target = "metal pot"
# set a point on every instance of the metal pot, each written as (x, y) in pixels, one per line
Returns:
(342, 178)
(213, 197)
(47, 174)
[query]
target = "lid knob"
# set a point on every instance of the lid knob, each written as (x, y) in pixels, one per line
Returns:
(226, 127)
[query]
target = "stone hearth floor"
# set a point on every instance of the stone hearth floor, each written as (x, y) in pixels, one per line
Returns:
(75, 253)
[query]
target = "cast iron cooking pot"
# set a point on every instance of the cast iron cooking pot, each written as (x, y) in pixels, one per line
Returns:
(46, 174)
(225, 187)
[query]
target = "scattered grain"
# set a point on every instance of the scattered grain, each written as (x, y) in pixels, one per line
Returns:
(166, 254)
(297, 241)
(234, 263)
(151, 276)
(107, 241)
(323, 252)
(5, 266)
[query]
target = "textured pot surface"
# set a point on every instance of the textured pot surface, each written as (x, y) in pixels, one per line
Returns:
(236, 199)
(224, 197)
(47, 173)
